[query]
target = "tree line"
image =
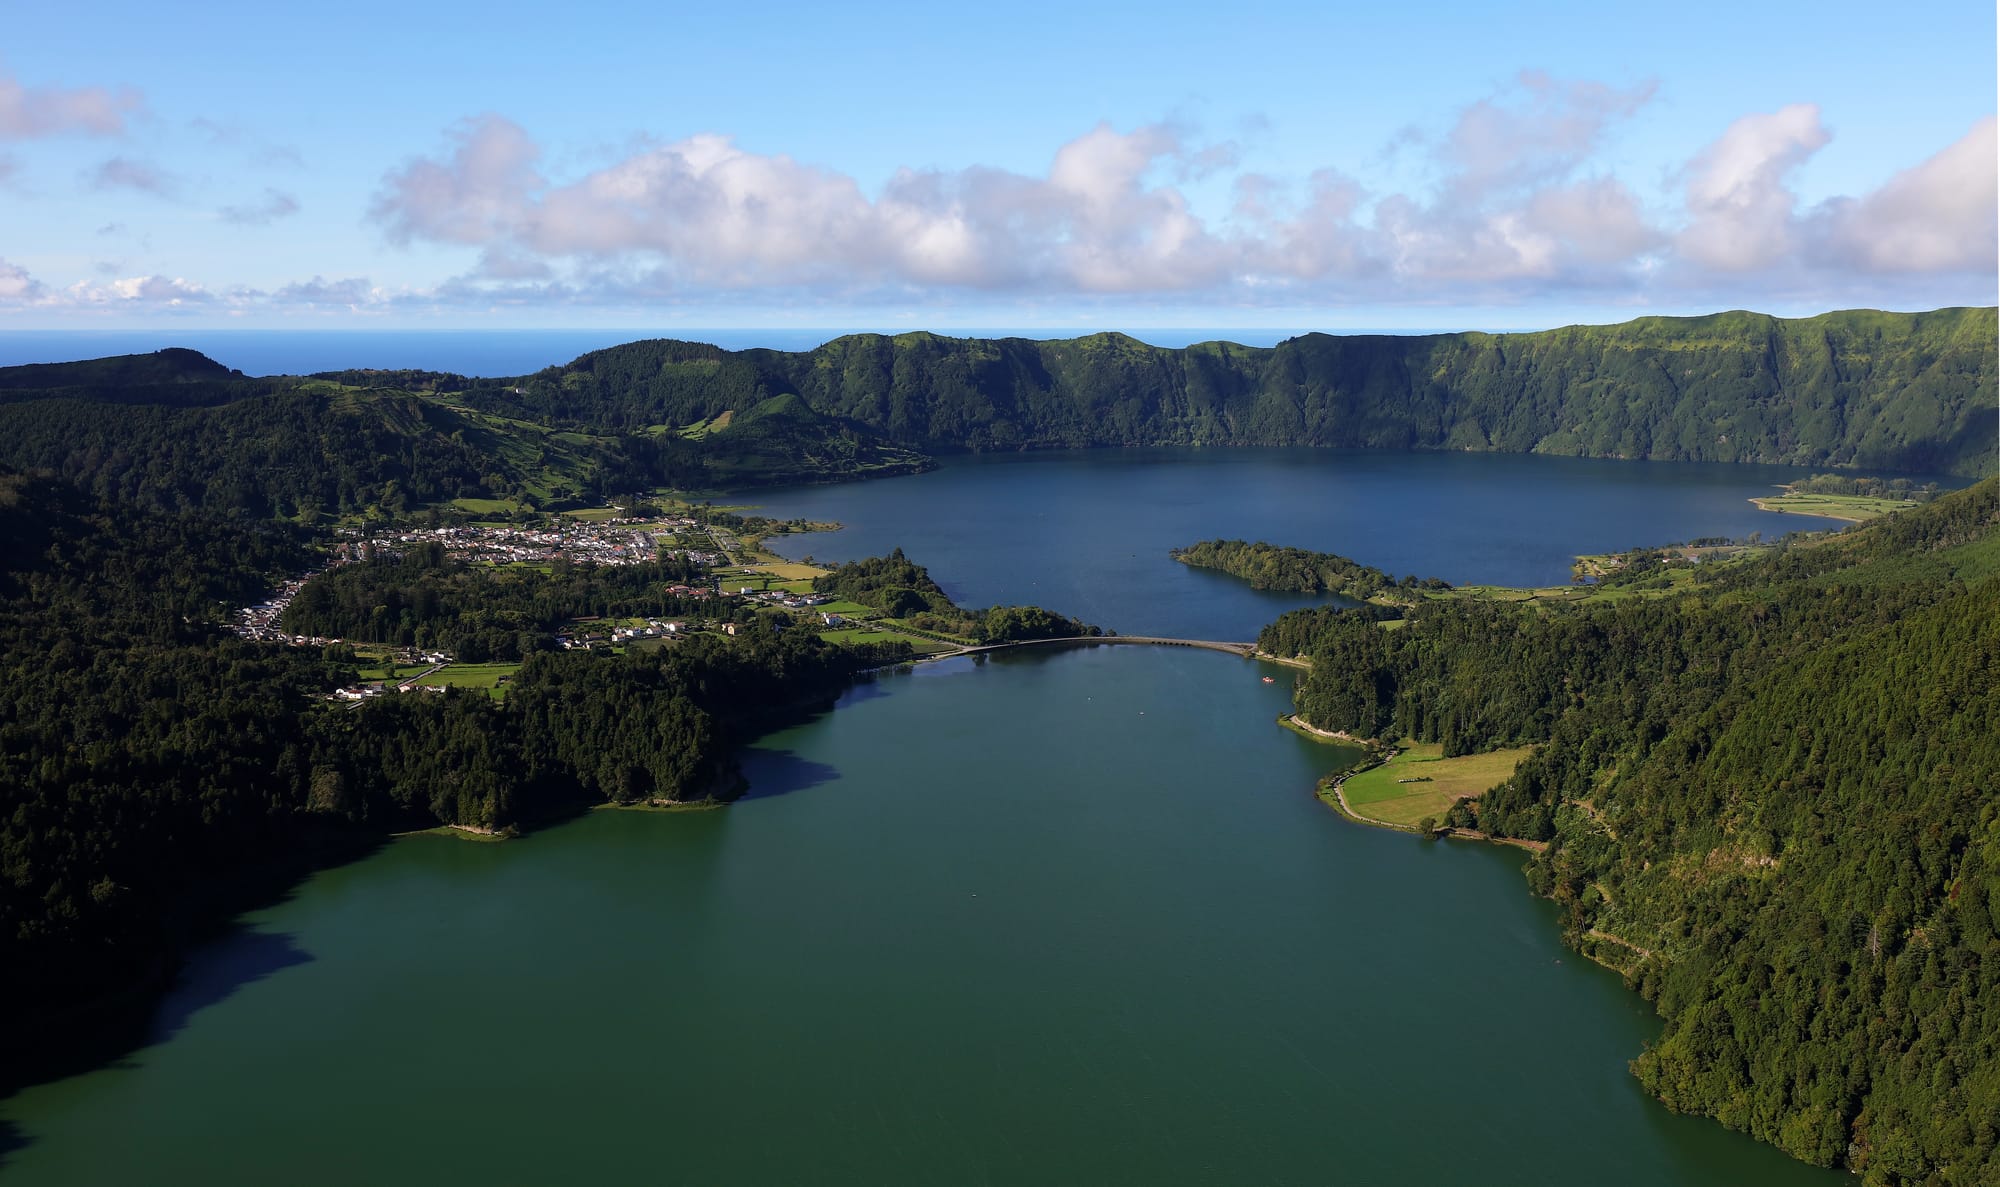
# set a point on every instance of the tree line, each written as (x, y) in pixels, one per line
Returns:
(1909, 392)
(1296, 570)
(149, 758)
(903, 589)
(1769, 800)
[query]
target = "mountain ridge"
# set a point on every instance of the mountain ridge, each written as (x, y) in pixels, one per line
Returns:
(1908, 392)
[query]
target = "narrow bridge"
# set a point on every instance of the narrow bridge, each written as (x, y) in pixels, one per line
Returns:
(1242, 649)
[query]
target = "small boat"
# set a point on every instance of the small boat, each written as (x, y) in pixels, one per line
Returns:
(1269, 680)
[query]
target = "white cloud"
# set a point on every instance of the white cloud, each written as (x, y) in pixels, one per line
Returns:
(1518, 204)
(1513, 203)
(723, 216)
(16, 286)
(1937, 216)
(160, 292)
(477, 196)
(1517, 201)
(1741, 209)
(27, 113)
(1534, 132)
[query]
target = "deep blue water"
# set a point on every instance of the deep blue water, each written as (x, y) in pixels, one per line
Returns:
(1087, 532)
(479, 352)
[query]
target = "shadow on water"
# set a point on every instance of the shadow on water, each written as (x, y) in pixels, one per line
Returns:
(227, 965)
(780, 772)
(111, 1032)
(160, 994)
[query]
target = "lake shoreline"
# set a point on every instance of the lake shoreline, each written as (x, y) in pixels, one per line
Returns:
(1330, 790)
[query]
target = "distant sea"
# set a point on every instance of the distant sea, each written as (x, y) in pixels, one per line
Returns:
(480, 352)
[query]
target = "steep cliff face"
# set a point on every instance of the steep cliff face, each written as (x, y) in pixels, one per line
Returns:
(1882, 390)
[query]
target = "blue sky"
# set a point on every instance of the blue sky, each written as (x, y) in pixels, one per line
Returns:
(374, 165)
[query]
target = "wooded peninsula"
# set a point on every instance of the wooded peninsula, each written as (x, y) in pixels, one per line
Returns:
(1764, 794)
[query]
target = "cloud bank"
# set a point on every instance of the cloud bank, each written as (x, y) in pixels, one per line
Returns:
(1517, 209)
(29, 113)
(1513, 203)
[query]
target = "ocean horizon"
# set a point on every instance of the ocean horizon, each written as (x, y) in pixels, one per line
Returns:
(491, 353)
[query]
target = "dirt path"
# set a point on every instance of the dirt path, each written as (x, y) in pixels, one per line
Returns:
(1596, 934)
(1473, 834)
(1331, 735)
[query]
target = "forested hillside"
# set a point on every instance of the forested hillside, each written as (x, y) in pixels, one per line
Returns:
(307, 449)
(1883, 390)
(147, 757)
(175, 377)
(1770, 801)
(903, 589)
(1912, 392)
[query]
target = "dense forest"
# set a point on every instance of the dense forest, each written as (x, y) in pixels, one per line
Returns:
(902, 589)
(1865, 485)
(148, 757)
(1912, 392)
(1296, 570)
(176, 377)
(1887, 391)
(308, 449)
(1768, 800)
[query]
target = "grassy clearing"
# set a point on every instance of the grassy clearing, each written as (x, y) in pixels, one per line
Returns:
(486, 676)
(486, 506)
(373, 661)
(794, 579)
(593, 514)
(788, 570)
(1852, 508)
(1377, 794)
(847, 609)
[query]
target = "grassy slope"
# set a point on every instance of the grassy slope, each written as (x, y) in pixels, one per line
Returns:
(1378, 794)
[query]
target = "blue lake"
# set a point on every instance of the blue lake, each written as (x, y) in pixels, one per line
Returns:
(1087, 532)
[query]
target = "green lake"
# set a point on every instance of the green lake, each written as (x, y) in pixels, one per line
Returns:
(1042, 918)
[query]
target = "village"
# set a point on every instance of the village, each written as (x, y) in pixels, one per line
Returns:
(610, 540)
